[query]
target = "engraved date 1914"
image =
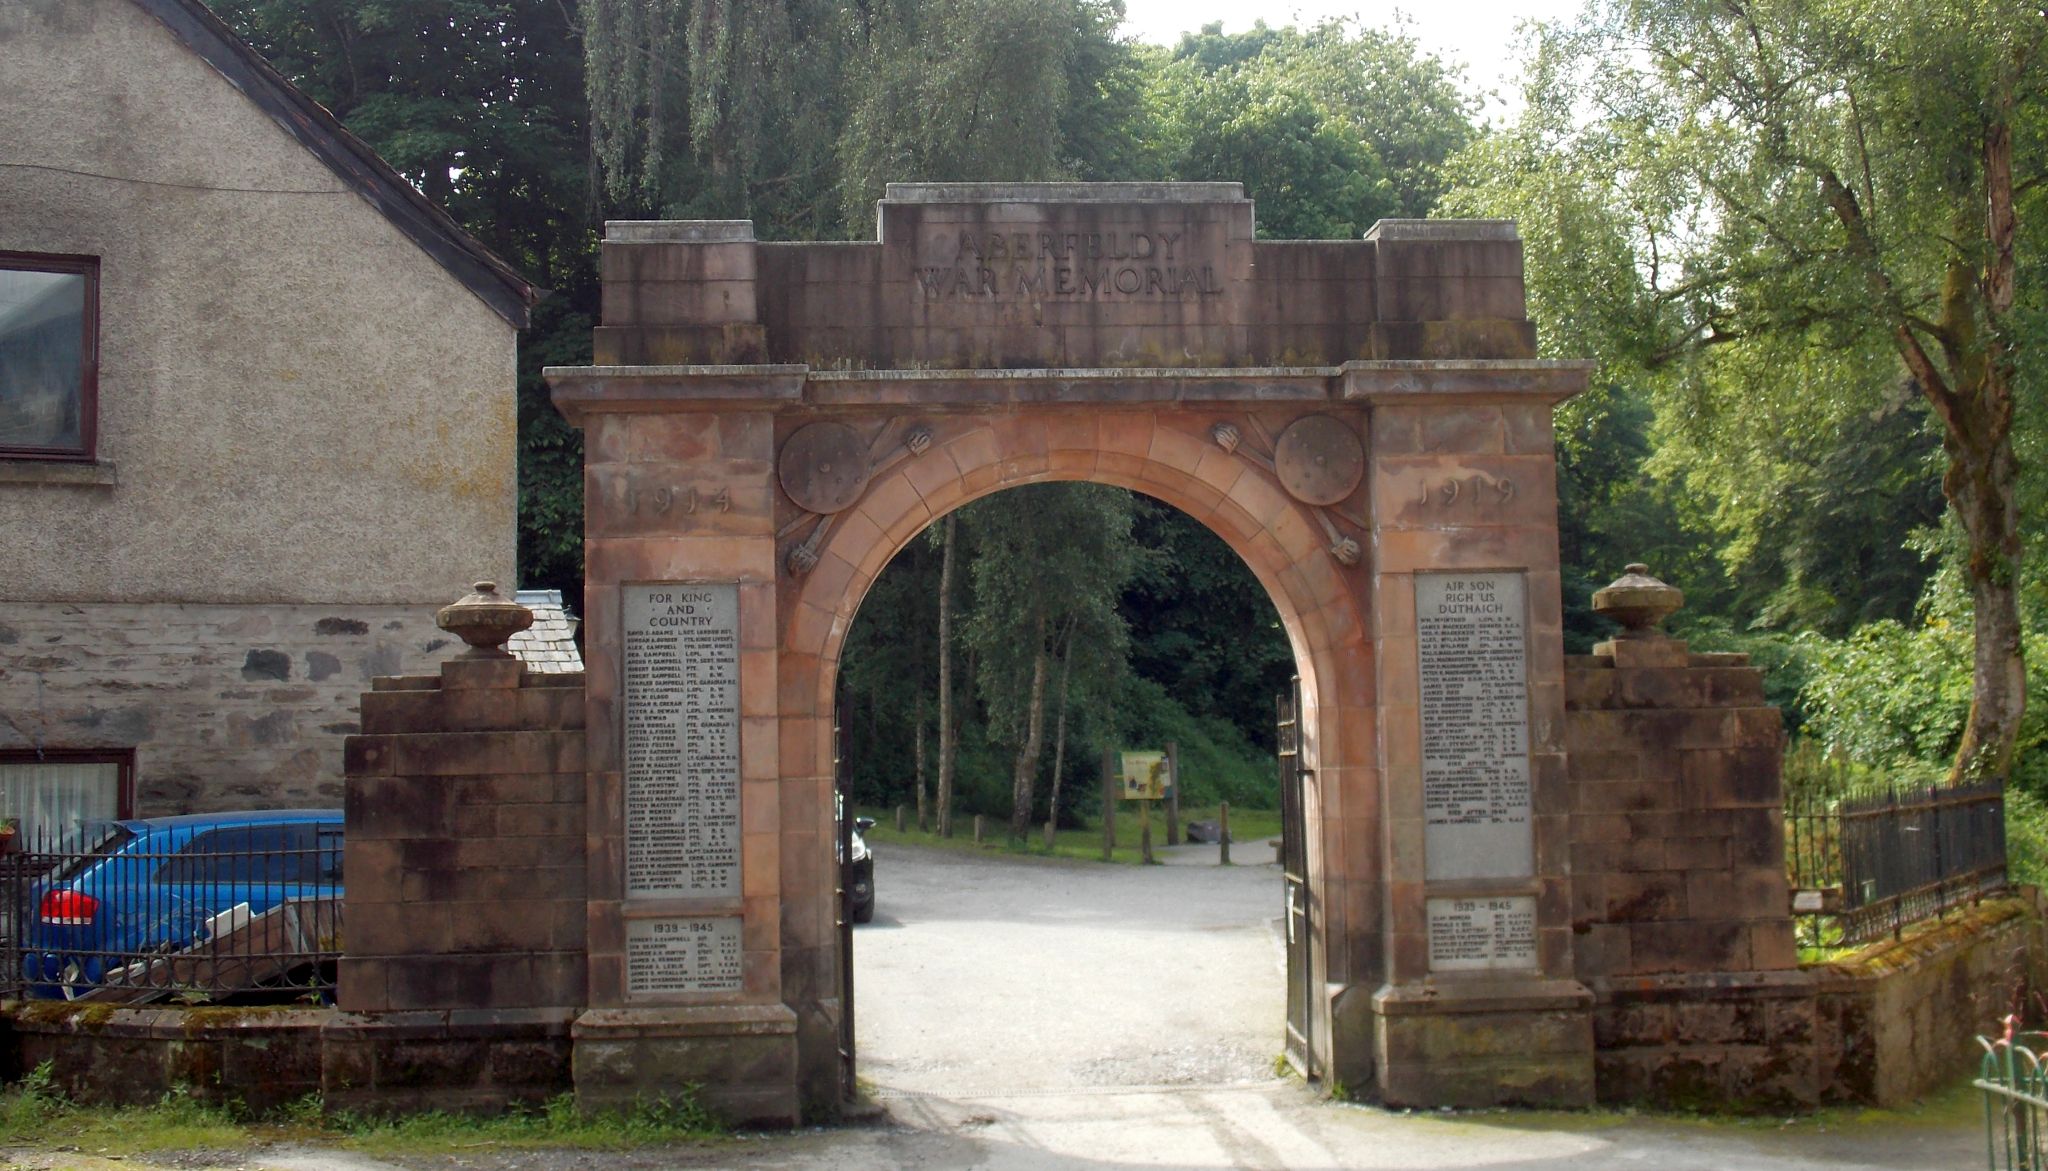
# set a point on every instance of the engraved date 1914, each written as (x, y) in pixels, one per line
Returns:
(665, 500)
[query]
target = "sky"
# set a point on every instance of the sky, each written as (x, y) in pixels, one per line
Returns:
(1478, 34)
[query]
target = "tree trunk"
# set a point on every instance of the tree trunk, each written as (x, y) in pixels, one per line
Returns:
(1059, 736)
(1982, 489)
(922, 822)
(946, 745)
(1024, 779)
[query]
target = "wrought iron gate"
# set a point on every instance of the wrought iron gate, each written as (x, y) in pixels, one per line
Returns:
(1294, 868)
(842, 804)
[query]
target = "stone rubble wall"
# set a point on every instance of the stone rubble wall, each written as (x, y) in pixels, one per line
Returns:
(224, 706)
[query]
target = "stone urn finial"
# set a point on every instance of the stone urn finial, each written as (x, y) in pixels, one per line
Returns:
(486, 620)
(1639, 602)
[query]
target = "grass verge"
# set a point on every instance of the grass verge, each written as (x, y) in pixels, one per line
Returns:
(35, 1113)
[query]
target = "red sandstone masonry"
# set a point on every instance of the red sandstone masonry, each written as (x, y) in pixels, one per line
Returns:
(465, 852)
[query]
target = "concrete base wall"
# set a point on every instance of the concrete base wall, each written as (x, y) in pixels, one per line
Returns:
(224, 706)
(1901, 1019)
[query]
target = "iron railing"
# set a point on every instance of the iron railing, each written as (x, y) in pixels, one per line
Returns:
(2015, 1090)
(234, 918)
(1869, 864)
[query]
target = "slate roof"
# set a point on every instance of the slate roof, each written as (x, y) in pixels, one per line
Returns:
(495, 282)
(549, 645)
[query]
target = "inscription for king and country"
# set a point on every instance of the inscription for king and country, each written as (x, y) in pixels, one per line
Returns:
(1032, 264)
(682, 740)
(1472, 661)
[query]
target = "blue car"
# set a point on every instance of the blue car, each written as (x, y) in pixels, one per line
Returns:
(152, 887)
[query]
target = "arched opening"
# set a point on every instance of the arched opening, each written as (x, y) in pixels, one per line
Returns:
(1178, 459)
(1108, 976)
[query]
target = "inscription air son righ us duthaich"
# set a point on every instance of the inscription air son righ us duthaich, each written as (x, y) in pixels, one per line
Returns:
(1156, 265)
(1472, 665)
(682, 737)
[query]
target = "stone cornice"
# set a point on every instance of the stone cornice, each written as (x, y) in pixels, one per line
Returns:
(582, 389)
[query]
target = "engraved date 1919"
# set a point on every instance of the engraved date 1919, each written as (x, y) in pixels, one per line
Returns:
(1476, 489)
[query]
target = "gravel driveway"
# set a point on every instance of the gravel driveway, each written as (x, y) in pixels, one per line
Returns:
(994, 975)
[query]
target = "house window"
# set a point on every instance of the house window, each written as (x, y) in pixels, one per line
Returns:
(49, 796)
(49, 355)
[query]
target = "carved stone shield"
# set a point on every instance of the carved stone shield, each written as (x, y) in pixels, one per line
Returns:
(824, 467)
(1319, 460)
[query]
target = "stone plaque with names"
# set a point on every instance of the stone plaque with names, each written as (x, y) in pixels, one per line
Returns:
(681, 700)
(1469, 935)
(682, 955)
(1472, 660)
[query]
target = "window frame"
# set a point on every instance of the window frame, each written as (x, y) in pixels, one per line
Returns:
(88, 267)
(122, 758)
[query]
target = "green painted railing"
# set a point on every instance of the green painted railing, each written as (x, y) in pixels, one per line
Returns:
(2015, 1086)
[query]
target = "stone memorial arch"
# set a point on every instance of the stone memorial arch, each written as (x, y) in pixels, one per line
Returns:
(1364, 422)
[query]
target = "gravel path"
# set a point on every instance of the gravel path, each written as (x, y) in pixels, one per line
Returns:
(999, 975)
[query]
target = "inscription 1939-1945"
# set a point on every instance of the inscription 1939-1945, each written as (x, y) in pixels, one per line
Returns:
(993, 265)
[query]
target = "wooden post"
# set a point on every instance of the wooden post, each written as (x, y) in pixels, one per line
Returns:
(1223, 837)
(980, 824)
(1108, 806)
(1172, 793)
(1049, 826)
(1145, 832)
(899, 819)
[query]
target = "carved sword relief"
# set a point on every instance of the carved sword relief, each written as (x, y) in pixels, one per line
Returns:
(825, 468)
(1316, 460)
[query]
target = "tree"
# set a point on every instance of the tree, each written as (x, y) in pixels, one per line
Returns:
(1329, 129)
(712, 109)
(1779, 212)
(1049, 558)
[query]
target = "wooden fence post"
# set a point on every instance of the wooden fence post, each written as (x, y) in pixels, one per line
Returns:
(1224, 835)
(1108, 806)
(1172, 793)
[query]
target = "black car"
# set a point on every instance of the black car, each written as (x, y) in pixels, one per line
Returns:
(860, 874)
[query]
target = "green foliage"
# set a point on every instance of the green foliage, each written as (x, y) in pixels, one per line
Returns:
(34, 1111)
(1202, 626)
(2026, 836)
(1893, 693)
(1081, 838)
(1779, 224)
(1329, 129)
(1218, 761)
